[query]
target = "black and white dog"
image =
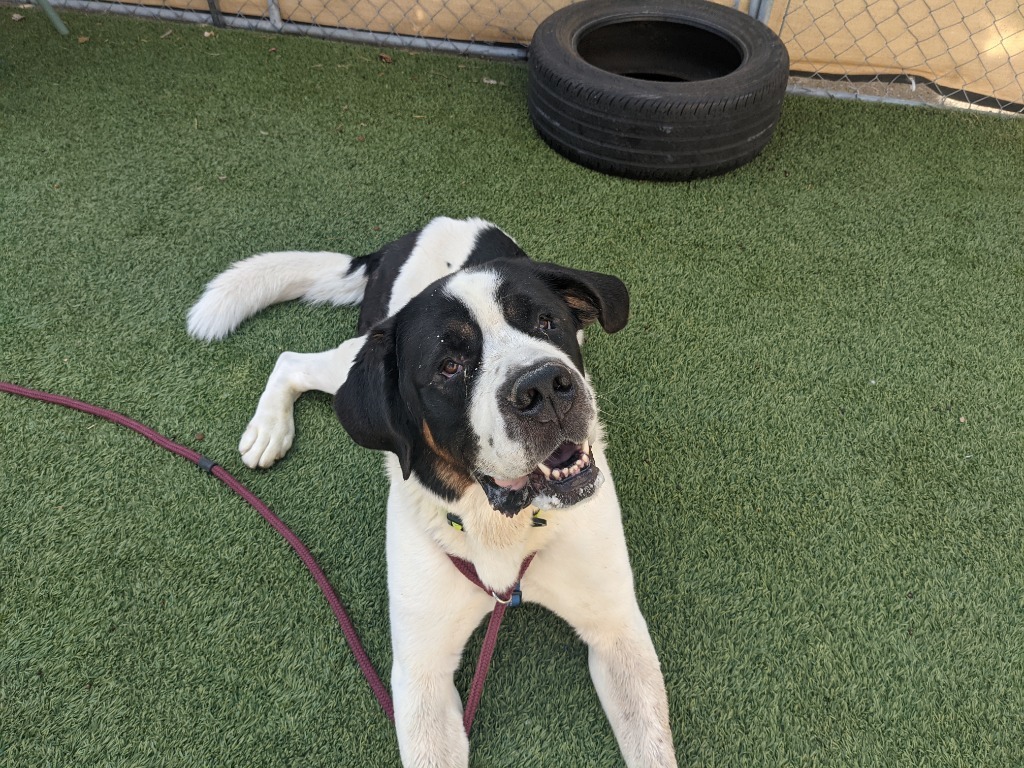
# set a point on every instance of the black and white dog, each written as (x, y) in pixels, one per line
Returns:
(468, 373)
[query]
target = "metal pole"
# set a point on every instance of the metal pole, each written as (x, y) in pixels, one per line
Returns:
(52, 16)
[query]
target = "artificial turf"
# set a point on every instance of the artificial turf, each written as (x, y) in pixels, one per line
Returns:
(815, 413)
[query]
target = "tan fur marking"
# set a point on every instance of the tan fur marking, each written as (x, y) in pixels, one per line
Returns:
(446, 466)
(587, 312)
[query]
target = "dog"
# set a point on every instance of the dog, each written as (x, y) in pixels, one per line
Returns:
(467, 372)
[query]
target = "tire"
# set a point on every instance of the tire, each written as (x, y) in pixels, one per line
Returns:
(667, 89)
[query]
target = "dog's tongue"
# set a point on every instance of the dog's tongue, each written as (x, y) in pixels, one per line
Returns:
(515, 484)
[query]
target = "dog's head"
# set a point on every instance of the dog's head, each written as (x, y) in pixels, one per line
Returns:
(479, 379)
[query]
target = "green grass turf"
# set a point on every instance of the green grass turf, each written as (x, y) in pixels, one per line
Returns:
(815, 413)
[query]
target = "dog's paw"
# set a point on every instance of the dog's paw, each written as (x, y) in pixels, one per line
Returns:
(267, 438)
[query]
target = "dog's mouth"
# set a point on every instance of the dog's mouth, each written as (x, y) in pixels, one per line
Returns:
(566, 477)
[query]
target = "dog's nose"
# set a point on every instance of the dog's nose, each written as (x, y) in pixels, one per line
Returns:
(546, 393)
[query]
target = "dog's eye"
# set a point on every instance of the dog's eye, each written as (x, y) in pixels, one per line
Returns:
(546, 323)
(450, 368)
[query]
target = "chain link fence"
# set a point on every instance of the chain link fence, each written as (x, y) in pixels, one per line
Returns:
(967, 53)
(963, 53)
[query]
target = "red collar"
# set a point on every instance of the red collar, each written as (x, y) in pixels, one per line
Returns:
(512, 596)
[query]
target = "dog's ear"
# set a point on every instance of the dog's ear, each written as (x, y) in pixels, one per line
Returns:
(592, 296)
(368, 404)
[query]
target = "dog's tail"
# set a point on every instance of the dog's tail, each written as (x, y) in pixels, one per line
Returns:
(269, 278)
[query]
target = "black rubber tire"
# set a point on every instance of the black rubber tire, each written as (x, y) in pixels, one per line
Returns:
(669, 89)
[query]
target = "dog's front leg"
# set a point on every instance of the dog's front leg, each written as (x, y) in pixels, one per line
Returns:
(428, 717)
(585, 578)
(429, 632)
(272, 428)
(433, 611)
(627, 676)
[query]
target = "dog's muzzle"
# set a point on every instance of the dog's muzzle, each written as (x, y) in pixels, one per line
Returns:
(549, 407)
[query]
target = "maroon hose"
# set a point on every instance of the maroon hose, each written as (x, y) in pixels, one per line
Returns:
(347, 628)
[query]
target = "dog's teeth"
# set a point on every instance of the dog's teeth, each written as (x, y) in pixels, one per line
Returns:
(586, 448)
(561, 473)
